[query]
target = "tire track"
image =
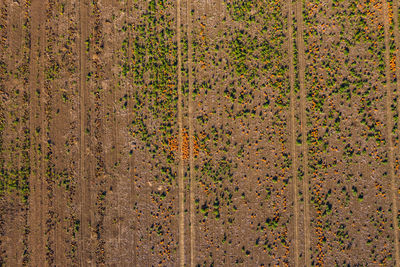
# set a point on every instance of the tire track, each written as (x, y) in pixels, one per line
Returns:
(389, 127)
(293, 134)
(36, 228)
(180, 140)
(25, 153)
(114, 155)
(43, 131)
(83, 20)
(131, 173)
(117, 147)
(191, 140)
(42, 123)
(301, 60)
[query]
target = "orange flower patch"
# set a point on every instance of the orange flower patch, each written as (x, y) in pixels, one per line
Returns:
(173, 145)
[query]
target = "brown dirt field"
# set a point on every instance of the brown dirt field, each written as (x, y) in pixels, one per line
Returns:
(199, 133)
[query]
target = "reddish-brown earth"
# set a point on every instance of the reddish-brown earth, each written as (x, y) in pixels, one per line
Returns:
(199, 133)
